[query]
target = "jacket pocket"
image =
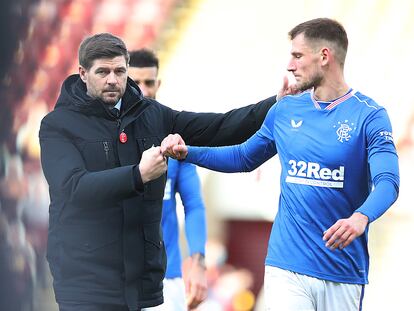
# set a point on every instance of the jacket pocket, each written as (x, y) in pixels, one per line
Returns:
(90, 253)
(155, 258)
(98, 155)
(154, 189)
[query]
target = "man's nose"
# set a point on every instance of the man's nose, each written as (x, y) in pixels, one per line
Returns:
(291, 66)
(112, 78)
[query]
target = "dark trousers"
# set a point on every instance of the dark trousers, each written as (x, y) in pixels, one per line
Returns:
(73, 306)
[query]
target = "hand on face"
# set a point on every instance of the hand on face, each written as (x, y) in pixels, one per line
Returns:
(153, 164)
(287, 89)
(174, 146)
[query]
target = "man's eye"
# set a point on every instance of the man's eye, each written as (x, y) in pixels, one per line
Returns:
(149, 83)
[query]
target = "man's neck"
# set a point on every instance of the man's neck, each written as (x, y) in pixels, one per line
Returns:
(331, 89)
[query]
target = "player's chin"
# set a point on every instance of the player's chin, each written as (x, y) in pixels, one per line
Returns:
(303, 86)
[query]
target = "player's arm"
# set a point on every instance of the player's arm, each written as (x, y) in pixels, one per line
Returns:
(220, 129)
(189, 188)
(383, 164)
(237, 158)
(224, 129)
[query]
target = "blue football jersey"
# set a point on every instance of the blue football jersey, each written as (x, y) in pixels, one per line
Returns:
(331, 154)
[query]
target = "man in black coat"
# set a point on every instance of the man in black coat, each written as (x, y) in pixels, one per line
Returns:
(100, 152)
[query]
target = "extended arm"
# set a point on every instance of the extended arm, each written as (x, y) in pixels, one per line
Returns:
(230, 159)
(220, 129)
(233, 127)
(238, 158)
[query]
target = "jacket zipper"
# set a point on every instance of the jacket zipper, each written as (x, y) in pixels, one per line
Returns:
(106, 149)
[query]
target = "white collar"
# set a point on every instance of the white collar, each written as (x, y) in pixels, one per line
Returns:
(118, 104)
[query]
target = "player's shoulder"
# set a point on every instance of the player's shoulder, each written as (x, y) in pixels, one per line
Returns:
(365, 101)
(295, 98)
(292, 101)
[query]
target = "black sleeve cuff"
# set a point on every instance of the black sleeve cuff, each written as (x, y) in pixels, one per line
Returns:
(139, 185)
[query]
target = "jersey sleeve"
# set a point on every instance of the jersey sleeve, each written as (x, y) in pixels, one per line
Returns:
(383, 165)
(189, 188)
(238, 158)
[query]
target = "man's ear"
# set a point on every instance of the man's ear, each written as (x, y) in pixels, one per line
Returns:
(326, 55)
(159, 83)
(82, 73)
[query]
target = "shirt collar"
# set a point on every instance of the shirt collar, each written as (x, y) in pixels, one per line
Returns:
(118, 104)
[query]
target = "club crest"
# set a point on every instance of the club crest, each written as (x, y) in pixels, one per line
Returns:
(343, 130)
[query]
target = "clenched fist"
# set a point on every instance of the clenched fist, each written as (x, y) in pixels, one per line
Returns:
(174, 146)
(153, 164)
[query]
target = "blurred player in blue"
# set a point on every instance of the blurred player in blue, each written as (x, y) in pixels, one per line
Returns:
(339, 174)
(182, 178)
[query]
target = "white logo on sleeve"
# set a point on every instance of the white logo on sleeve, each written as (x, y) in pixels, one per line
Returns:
(386, 135)
(312, 174)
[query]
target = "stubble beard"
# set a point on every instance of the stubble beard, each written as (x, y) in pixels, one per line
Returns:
(110, 101)
(313, 82)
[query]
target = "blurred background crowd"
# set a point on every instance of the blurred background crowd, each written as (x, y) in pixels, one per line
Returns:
(215, 55)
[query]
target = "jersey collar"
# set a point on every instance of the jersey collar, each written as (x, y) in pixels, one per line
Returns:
(334, 103)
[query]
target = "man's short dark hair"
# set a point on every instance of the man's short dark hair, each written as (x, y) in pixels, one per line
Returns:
(102, 45)
(324, 29)
(143, 58)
